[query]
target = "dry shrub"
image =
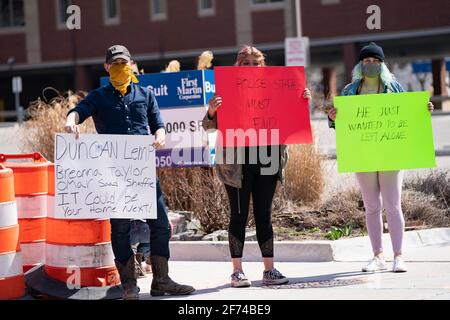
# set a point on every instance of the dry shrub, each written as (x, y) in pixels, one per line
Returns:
(197, 190)
(37, 134)
(174, 184)
(344, 207)
(340, 209)
(305, 176)
(200, 191)
(422, 208)
(349, 200)
(436, 183)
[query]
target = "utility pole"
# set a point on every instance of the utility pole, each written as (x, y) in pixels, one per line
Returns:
(297, 48)
(298, 18)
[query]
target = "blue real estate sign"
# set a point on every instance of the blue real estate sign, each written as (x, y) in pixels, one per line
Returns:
(182, 98)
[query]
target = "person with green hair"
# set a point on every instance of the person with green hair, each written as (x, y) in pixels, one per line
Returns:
(383, 188)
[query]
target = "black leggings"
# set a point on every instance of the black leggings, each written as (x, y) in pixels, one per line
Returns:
(262, 189)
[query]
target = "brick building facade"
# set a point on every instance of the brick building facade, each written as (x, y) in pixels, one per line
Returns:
(37, 45)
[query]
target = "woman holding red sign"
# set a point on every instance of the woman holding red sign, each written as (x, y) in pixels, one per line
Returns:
(249, 180)
(382, 188)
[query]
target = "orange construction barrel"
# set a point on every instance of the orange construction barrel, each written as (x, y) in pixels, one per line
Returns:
(30, 182)
(12, 281)
(78, 246)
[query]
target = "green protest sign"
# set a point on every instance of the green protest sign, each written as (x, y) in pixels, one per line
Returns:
(382, 132)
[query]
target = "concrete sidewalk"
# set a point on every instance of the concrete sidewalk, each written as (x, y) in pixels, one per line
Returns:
(324, 281)
(427, 253)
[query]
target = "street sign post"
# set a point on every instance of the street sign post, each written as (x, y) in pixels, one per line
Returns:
(297, 51)
(17, 90)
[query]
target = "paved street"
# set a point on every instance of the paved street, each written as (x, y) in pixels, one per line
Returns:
(325, 136)
(441, 132)
(427, 254)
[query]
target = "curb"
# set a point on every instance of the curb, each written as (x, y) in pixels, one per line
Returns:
(418, 247)
(287, 251)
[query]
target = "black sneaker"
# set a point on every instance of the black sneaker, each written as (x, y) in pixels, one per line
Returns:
(273, 277)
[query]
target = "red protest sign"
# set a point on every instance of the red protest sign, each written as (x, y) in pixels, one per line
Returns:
(262, 106)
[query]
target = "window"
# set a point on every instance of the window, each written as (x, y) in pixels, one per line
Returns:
(111, 12)
(11, 14)
(258, 2)
(266, 1)
(158, 9)
(327, 2)
(267, 4)
(61, 12)
(206, 7)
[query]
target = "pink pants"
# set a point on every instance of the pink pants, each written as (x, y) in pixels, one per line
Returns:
(383, 189)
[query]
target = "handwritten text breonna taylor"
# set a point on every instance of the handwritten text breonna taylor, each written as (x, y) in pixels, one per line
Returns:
(105, 176)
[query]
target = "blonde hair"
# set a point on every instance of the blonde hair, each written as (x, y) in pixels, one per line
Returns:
(386, 76)
(173, 66)
(246, 51)
(205, 60)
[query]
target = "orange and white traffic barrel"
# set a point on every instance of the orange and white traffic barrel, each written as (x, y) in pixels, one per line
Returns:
(12, 281)
(30, 184)
(78, 249)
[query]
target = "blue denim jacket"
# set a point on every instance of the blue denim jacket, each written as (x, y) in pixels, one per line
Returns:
(352, 89)
(136, 113)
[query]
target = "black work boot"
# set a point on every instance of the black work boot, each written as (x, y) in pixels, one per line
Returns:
(162, 284)
(128, 277)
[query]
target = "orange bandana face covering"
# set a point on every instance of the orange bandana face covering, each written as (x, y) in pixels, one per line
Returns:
(121, 76)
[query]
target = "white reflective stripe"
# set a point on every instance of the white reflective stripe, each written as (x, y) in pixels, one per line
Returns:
(8, 214)
(51, 206)
(100, 255)
(33, 253)
(10, 265)
(32, 207)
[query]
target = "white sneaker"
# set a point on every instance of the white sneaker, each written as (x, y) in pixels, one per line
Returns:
(239, 280)
(399, 265)
(376, 264)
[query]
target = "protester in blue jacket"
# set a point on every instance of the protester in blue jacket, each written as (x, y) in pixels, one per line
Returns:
(383, 188)
(123, 107)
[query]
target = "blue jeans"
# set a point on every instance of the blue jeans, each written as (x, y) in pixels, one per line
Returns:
(140, 237)
(159, 232)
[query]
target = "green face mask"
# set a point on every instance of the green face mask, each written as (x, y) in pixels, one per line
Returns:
(371, 70)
